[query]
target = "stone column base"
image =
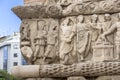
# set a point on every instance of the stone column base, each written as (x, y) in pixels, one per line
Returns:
(76, 78)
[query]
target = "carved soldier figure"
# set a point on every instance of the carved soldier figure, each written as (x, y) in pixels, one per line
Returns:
(40, 42)
(68, 32)
(52, 42)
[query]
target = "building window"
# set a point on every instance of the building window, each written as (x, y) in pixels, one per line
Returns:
(15, 46)
(15, 55)
(5, 58)
(15, 63)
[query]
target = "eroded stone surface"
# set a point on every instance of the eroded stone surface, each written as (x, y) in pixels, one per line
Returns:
(62, 8)
(76, 78)
(69, 38)
(109, 78)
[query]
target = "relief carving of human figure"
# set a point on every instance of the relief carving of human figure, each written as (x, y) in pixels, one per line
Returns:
(25, 31)
(115, 28)
(68, 32)
(82, 38)
(106, 26)
(40, 41)
(87, 34)
(25, 41)
(95, 29)
(52, 43)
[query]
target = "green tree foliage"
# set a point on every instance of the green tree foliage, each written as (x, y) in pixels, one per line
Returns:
(5, 76)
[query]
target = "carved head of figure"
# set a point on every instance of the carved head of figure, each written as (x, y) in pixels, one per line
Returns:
(24, 25)
(94, 18)
(41, 25)
(107, 17)
(70, 22)
(80, 18)
(53, 26)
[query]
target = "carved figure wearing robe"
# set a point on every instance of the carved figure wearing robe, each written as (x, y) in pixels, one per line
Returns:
(107, 25)
(82, 38)
(95, 29)
(68, 32)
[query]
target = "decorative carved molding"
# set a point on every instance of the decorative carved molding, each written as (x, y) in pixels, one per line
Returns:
(88, 69)
(75, 8)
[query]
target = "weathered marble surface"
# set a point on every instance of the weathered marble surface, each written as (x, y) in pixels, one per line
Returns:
(87, 69)
(70, 8)
(69, 39)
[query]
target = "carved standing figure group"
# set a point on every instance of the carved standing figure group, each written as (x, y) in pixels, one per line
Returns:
(76, 39)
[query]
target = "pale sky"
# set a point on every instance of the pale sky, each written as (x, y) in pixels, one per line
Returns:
(9, 22)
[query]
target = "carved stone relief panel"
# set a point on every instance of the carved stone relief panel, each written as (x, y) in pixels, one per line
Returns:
(70, 39)
(78, 39)
(40, 39)
(85, 38)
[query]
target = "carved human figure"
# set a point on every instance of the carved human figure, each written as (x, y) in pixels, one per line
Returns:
(108, 22)
(68, 32)
(52, 43)
(26, 50)
(107, 25)
(40, 41)
(87, 34)
(25, 30)
(82, 38)
(95, 28)
(114, 28)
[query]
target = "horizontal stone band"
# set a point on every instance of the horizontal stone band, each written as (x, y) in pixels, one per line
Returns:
(74, 9)
(59, 70)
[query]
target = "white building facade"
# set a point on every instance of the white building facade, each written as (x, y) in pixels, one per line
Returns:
(10, 54)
